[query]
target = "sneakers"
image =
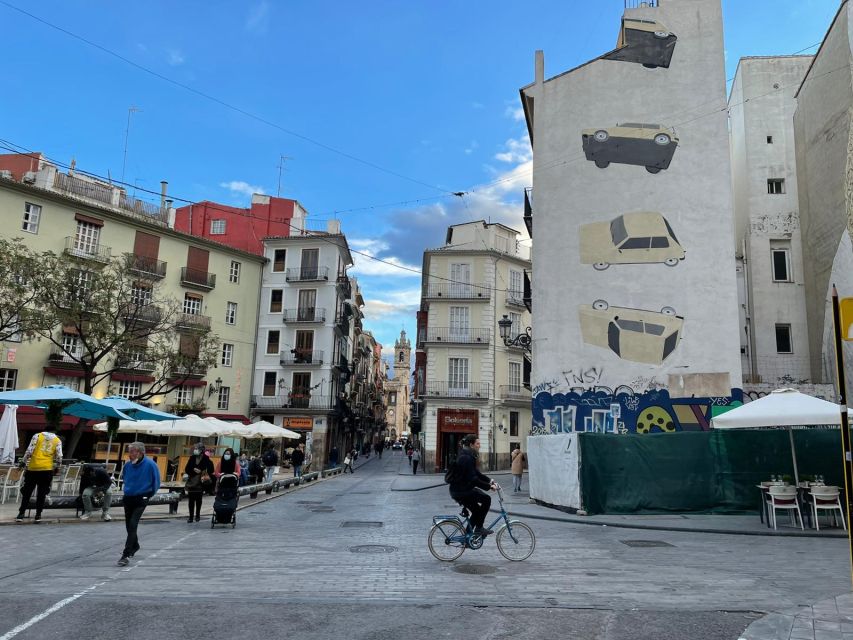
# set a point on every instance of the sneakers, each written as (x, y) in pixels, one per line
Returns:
(190, 519)
(106, 517)
(37, 519)
(198, 518)
(482, 531)
(85, 516)
(123, 561)
(19, 517)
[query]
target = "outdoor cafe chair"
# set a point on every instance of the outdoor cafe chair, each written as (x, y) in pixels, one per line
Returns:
(12, 481)
(828, 499)
(782, 497)
(69, 482)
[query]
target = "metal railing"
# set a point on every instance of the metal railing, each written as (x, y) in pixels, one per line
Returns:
(291, 401)
(197, 278)
(192, 321)
(149, 267)
(455, 335)
(59, 356)
(144, 313)
(457, 291)
(515, 298)
(301, 356)
(515, 392)
(445, 389)
(111, 197)
(133, 362)
(73, 247)
(345, 285)
(640, 4)
(305, 314)
(191, 371)
(306, 274)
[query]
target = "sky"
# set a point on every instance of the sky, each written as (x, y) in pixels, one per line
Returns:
(383, 110)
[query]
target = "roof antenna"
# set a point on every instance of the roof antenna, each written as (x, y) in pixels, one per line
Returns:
(281, 160)
(130, 112)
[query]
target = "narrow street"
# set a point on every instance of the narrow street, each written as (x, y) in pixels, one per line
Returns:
(296, 566)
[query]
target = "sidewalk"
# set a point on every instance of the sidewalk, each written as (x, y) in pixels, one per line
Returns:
(830, 619)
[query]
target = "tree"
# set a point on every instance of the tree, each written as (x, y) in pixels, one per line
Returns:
(16, 293)
(110, 317)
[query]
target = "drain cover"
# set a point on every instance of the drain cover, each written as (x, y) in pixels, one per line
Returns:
(360, 523)
(474, 569)
(321, 509)
(308, 502)
(373, 548)
(646, 543)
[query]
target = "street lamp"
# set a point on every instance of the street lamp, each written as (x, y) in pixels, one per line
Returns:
(522, 340)
(215, 387)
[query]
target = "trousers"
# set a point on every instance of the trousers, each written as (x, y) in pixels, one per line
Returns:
(134, 506)
(478, 504)
(40, 481)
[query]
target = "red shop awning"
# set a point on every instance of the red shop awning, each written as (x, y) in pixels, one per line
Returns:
(130, 377)
(65, 373)
(193, 383)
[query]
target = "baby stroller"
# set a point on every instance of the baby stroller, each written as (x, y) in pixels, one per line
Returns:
(225, 502)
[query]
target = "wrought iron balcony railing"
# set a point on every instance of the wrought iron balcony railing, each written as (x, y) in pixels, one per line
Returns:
(305, 314)
(192, 321)
(78, 248)
(301, 356)
(457, 291)
(515, 392)
(148, 267)
(306, 274)
(455, 335)
(294, 400)
(451, 389)
(197, 278)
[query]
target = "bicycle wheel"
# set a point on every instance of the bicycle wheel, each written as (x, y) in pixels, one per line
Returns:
(446, 540)
(515, 541)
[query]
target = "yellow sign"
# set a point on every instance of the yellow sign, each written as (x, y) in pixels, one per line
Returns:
(297, 423)
(846, 309)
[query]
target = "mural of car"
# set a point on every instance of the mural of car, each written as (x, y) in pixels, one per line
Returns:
(649, 145)
(646, 42)
(636, 335)
(643, 237)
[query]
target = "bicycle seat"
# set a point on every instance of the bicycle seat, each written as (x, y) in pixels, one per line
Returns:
(464, 513)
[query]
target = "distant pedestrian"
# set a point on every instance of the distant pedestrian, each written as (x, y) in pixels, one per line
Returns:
(333, 458)
(348, 463)
(297, 458)
(416, 458)
(244, 469)
(141, 481)
(256, 470)
(198, 475)
(96, 483)
(517, 469)
(378, 448)
(270, 462)
(409, 451)
(43, 456)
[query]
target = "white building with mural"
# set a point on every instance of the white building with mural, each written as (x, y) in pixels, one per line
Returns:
(634, 289)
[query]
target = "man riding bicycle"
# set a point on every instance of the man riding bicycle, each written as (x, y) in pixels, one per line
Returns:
(467, 485)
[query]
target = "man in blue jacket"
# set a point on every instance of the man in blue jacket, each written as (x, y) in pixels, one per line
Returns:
(141, 481)
(468, 485)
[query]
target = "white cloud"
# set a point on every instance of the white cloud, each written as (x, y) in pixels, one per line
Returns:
(258, 19)
(175, 57)
(516, 113)
(238, 187)
(518, 150)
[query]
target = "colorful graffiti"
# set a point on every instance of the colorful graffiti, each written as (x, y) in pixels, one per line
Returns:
(624, 411)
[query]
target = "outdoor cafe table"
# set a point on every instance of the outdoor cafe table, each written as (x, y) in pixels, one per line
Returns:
(803, 497)
(176, 487)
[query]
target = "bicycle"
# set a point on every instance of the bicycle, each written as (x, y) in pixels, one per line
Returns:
(451, 535)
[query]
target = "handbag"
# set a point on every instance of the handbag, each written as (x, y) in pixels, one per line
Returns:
(206, 480)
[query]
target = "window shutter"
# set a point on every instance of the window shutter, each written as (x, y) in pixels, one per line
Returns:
(189, 346)
(146, 245)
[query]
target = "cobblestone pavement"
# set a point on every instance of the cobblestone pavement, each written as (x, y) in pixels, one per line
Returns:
(296, 557)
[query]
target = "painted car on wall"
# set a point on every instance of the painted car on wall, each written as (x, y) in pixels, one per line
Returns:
(643, 237)
(648, 145)
(645, 42)
(637, 335)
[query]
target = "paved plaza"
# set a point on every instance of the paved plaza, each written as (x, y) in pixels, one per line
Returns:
(347, 557)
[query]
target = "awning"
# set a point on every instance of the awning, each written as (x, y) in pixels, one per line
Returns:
(192, 383)
(65, 373)
(131, 377)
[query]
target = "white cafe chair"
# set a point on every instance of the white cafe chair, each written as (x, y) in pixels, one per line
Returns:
(784, 498)
(828, 499)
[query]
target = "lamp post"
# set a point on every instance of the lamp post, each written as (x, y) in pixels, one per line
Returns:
(215, 387)
(522, 340)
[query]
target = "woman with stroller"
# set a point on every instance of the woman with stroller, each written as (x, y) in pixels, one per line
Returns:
(228, 464)
(197, 466)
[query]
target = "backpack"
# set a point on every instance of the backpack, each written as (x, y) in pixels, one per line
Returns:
(270, 458)
(256, 468)
(452, 475)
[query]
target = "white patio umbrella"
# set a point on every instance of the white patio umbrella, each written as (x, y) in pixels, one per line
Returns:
(8, 434)
(190, 425)
(782, 409)
(264, 429)
(231, 429)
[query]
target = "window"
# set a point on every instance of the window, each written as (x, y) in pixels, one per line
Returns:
(392, 397)
(636, 243)
(515, 328)
(459, 323)
(140, 295)
(457, 369)
(8, 379)
(32, 215)
(71, 347)
(273, 338)
(129, 390)
(88, 237)
(781, 259)
(269, 383)
(192, 304)
(460, 279)
(217, 227)
(278, 259)
(513, 424)
(516, 285)
(184, 395)
(304, 346)
(783, 338)
(234, 272)
(769, 139)
(81, 283)
(306, 305)
(776, 186)
(231, 313)
(71, 383)
(14, 330)
(515, 377)
(276, 298)
(310, 261)
(224, 398)
(227, 354)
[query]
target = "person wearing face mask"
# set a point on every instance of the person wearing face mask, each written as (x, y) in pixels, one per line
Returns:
(197, 466)
(228, 464)
(244, 469)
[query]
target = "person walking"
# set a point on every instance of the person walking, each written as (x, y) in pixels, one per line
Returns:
(198, 474)
(42, 457)
(228, 464)
(96, 481)
(244, 469)
(270, 462)
(141, 481)
(333, 458)
(296, 459)
(409, 450)
(348, 463)
(416, 458)
(517, 467)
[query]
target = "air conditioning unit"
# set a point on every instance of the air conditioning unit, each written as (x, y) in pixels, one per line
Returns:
(6, 174)
(29, 177)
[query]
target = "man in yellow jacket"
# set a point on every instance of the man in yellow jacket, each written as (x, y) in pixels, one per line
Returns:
(42, 457)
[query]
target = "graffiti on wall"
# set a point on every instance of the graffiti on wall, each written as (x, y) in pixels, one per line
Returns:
(624, 410)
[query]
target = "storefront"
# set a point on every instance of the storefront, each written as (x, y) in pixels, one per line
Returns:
(453, 425)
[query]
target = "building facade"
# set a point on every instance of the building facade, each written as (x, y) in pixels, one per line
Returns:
(466, 379)
(397, 389)
(634, 273)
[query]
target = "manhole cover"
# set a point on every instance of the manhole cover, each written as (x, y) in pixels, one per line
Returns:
(308, 502)
(321, 509)
(373, 548)
(646, 543)
(474, 569)
(360, 523)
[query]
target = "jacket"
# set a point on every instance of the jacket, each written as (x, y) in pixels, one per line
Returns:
(141, 478)
(297, 458)
(205, 464)
(97, 477)
(469, 479)
(517, 462)
(44, 452)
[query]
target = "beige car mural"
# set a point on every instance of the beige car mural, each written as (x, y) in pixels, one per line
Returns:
(632, 334)
(648, 145)
(646, 42)
(643, 237)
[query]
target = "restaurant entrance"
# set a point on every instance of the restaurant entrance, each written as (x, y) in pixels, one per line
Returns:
(453, 425)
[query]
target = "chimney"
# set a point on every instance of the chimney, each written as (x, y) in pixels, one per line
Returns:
(540, 66)
(163, 186)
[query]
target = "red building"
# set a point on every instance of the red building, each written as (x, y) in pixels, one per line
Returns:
(241, 228)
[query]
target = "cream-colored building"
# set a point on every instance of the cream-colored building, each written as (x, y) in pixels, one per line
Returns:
(92, 219)
(467, 380)
(397, 389)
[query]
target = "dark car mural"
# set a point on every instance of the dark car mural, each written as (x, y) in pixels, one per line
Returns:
(645, 42)
(648, 145)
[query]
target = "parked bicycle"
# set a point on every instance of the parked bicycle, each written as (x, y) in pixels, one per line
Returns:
(451, 535)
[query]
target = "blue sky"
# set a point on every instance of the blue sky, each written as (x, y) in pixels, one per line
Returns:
(428, 91)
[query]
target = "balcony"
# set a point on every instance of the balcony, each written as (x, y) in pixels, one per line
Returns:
(197, 279)
(456, 291)
(344, 285)
(291, 401)
(189, 371)
(134, 362)
(515, 394)
(192, 322)
(58, 357)
(466, 390)
(306, 274)
(110, 196)
(305, 314)
(454, 335)
(515, 299)
(528, 292)
(86, 250)
(342, 365)
(301, 357)
(146, 314)
(147, 267)
(528, 210)
(342, 322)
